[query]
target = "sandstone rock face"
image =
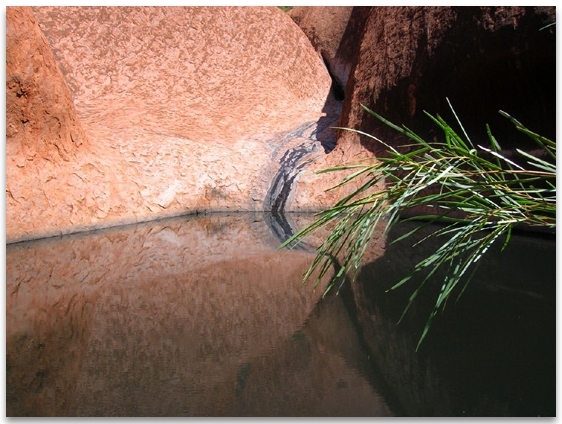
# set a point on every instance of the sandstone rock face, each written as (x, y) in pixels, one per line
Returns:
(335, 32)
(185, 109)
(324, 27)
(482, 58)
(200, 109)
(204, 67)
(411, 59)
(41, 119)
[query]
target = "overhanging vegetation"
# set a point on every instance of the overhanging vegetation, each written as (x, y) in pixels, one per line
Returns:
(478, 192)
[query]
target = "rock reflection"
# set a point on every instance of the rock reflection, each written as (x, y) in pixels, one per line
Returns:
(321, 370)
(197, 316)
(491, 353)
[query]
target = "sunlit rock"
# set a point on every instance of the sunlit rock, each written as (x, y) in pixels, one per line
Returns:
(41, 121)
(183, 109)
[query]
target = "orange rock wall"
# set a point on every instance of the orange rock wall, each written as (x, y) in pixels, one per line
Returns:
(184, 110)
(41, 121)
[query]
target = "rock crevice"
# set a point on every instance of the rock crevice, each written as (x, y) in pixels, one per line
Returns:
(117, 115)
(181, 108)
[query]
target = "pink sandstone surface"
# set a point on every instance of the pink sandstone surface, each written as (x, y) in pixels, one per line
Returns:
(183, 109)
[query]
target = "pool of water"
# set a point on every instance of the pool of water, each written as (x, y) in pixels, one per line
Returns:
(490, 352)
(204, 316)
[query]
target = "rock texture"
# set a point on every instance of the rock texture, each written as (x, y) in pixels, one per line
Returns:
(190, 71)
(179, 110)
(483, 59)
(184, 109)
(335, 33)
(411, 59)
(41, 121)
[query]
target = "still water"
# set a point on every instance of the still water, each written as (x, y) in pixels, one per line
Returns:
(204, 316)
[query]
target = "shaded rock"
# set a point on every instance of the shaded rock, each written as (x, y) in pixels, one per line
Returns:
(324, 27)
(335, 33)
(411, 59)
(482, 58)
(183, 108)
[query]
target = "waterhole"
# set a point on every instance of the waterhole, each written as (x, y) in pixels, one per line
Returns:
(205, 316)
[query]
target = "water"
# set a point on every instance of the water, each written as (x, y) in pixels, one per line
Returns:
(492, 352)
(203, 316)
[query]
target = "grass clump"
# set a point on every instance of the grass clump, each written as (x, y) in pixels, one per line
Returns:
(478, 192)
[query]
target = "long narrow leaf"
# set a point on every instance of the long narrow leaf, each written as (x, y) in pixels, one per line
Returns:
(477, 198)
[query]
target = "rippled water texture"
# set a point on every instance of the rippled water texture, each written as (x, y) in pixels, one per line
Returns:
(203, 316)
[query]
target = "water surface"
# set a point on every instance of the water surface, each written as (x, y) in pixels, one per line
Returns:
(192, 316)
(204, 316)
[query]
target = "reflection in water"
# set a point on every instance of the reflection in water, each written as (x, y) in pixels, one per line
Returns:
(197, 316)
(491, 353)
(203, 316)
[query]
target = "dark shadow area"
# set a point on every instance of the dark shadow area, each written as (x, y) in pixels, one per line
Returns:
(510, 70)
(345, 57)
(491, 353)
(481, 72)
(347, 53)
(337, 89)
(325, 132)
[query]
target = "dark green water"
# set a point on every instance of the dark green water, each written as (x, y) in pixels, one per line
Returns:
(203, 316)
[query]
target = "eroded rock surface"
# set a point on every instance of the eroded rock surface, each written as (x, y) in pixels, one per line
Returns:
(183, 108)
(483, 59)
(41, 120)
(201, 109)
(412, 59)
(335, 33)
